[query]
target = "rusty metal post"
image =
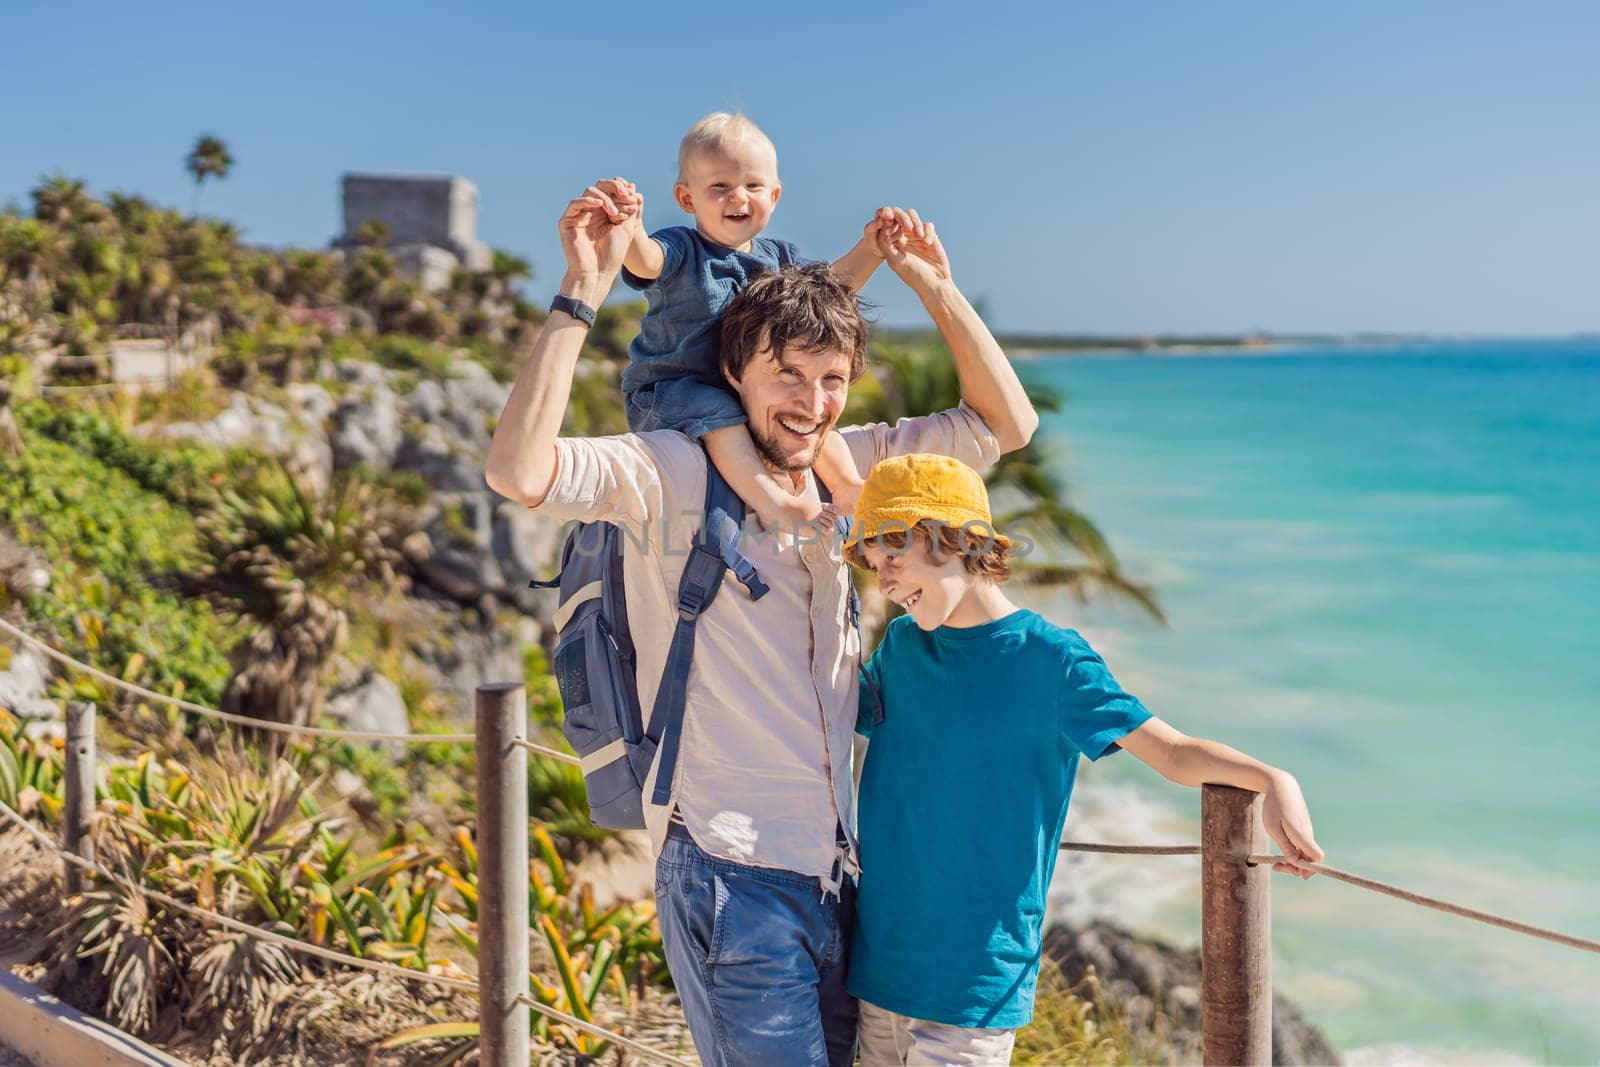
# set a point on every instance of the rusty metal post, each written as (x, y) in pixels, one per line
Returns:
(502, 875)
(1236, 930)
(79, 781)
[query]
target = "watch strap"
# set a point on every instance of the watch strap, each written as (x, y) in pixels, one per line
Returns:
(574, 307)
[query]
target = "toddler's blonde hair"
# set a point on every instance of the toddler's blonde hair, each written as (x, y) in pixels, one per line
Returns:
(718, 130)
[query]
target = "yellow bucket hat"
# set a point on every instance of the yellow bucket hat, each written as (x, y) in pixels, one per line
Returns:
(904, 490)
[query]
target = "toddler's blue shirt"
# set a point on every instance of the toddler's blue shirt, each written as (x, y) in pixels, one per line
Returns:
(681, 334)
(963, 798)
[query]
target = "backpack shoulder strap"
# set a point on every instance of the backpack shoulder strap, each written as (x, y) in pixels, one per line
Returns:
(841, 526)
(724, 527)
(714, 554)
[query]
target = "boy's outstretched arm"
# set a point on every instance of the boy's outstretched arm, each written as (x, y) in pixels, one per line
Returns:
(1194, 761)
(857, 265)
(645, 258)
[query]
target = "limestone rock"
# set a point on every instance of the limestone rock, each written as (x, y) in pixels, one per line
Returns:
(528, 547)
(374, 706)
(462, 653)
(299, 439)
(1145, 977)
(366, 424)
(313, 404)
(24, 685)
(24, 570)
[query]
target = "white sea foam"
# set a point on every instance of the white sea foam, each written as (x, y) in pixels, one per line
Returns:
(1416, 1056)
(1432, 503)
(1128, 890)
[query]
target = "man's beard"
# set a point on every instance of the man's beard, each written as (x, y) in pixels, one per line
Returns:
(774, 458)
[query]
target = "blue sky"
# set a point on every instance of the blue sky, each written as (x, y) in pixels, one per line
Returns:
(1092, 167)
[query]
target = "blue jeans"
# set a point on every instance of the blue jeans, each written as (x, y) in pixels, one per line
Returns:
(759, 959)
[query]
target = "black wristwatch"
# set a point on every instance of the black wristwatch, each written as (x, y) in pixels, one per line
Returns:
(574, 307)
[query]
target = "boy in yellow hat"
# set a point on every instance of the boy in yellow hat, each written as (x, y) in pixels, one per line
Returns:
(977, 712)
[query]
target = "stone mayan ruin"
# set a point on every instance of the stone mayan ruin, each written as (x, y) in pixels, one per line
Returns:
(432, 221)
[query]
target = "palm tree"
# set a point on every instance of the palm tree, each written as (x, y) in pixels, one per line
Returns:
(60, 200)
(286, 559)
(1029, 497)
(24, 248)
(208, 158)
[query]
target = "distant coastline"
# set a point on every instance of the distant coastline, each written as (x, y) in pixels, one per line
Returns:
(1262, 342)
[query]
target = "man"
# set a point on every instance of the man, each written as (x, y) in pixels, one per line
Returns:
(755, 847)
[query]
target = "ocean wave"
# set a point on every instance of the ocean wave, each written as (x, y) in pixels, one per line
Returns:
(1419, 1056)
(1435, 502)
(1128, 890)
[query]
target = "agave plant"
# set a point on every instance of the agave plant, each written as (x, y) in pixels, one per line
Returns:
(121, 928)
(286, 558)
(588, 951)
(249, 844)
(30, 770)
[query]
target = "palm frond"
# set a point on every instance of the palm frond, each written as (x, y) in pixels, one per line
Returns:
(1082, 582)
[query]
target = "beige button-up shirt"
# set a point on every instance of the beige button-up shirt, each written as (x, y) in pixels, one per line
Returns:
(764, 772)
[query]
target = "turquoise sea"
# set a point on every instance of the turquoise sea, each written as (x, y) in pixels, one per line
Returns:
(1382, 570)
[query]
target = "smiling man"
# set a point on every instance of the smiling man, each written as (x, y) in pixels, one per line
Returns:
(755, 847)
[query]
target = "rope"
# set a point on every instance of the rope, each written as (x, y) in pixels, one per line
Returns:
(102, 387)
(341, 958)
(560, 757)
(625, 1042)
(1435, 903)
(225, 716)
(1131, 850)
(231, 923)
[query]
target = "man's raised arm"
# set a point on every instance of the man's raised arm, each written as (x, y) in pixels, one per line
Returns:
(522, 454)
(989, 385)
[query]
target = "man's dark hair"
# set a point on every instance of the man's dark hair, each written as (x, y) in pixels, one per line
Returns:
(806, 307)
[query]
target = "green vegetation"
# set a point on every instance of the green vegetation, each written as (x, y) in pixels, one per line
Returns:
(1079, 1026)
(78, 270)
(254, 844)
(287, 558)
(116, 547)
(30, 771)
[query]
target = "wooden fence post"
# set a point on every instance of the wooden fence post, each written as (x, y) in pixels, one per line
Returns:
(78, 771)
(502, 875)
(1236, 930)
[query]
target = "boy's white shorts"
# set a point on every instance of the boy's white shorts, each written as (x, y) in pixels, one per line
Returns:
(889, 1039)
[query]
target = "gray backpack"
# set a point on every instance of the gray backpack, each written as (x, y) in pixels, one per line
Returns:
(596, 662)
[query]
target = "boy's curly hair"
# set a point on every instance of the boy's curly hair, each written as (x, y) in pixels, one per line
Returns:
(983, 552)
(807, 307)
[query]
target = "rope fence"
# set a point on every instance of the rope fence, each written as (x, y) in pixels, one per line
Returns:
(1130, 850)
(227, 716)
(1435, 903)
(344, 959)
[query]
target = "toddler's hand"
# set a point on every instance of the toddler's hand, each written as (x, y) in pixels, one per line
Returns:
(625, 196)
(912, 249)
(881, 223)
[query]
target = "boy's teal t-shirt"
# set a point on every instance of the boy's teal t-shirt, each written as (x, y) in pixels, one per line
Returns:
(963, 798)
